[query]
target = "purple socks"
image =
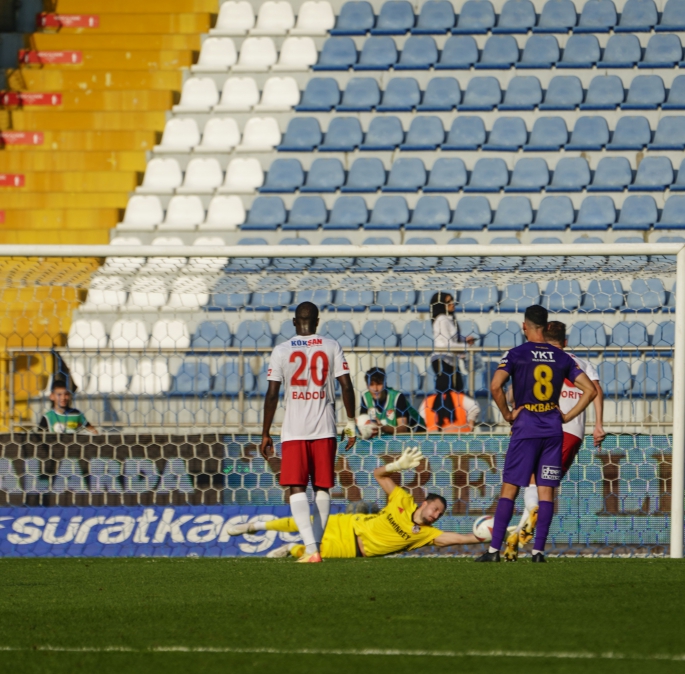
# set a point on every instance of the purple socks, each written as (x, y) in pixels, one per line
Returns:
(545, 514)
(505, 509)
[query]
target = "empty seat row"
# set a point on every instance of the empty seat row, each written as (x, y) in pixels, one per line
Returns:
(517, 16)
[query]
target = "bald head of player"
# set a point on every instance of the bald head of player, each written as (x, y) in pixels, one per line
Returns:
(306, 319)
(534, 323)
(555, 334)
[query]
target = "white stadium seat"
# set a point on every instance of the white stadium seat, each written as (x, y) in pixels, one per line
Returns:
(165, 265)
(143, 212)
(183, 213)
(256, 53)
(151, 377)
(240, 94)
(274, 18)
(162, 176)
(108, 376)
(221, 134)
(169, 333)
(205, 265)
(180, 135)
(199, 94)
(148, 292)
(217, 53)
(106, 293)
(202, 175)
(225, 213)
(188, 292)
(261, 134)
(314, 18)
(87, 334)
(123, 265)
(297, 53)
(128, 334)
(235, 18)
(243, 176)
(280, 93)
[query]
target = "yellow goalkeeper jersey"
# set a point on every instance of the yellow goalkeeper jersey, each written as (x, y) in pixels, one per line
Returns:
(392, 529)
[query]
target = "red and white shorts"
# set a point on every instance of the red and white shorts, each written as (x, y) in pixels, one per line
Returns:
(302, 459)
(569, 451)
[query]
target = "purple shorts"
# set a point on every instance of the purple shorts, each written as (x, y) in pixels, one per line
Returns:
(533, 456)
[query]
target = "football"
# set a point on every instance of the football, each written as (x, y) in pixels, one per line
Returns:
(365, 426)
(482, 528)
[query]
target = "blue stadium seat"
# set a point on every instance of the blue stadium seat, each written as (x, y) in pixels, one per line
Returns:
(244, 264)
(589, 133)
(627, 262)
(228, 381)
(265, 213)
(587, 335)
(637, 212)
(344, 135)
(478, 298)
(679, 184)
(365, 175)
(466, 133)
(571, 174)
(231, 293)
(425, 134)
(476, 17)
(554, 214)
(337, 53)
(604, 93)
(355, 18)
(498, 263)
(549, 134)
(418, 53)
(523, 93)
(628, 334)
(540, 263)
(302, 135)
(561, 296)
(415, 264)
(663, 51)
(436, 18)
(676, 95)
(442, 94)
(602, 295)
(325, 175)
(341, 331)
(598, 16)
(508, 134)
(488, 175)
(646, 296)
(361, 95)
(673, 214)
(653, 175)
(513, 215)
(529, 175)
(392, 301)
(517, 297)
(664, 334)
(353, 300)
(291, 264)
(333, 264)
(211, 335)
(459, 264)
(482, 94)
(389, 213)
(471, 214)
(595, 214)
(669, 134)
(347, 213)
(637, 16)
(402, 94)
(673, 17)
(612, 174)
(406, 175)
(371, 264)
(447, 175)
(622, 51)
(384, 133)
(378, 53)
(404, 377)
(423, 303)
(517, 16)
(396, 18)
(646, 92)
(500, 52)
(417, 335)
(503, 335)
(192, 379)
(581, 51)
(458, 53)
(615, 377)
(654, 379)
(540, 52)
(377, 334)
(631, 133)
(585, 262)
(563, 93)
(284, 175)
(430, 214)
(270, 300)
(306, 213)
(557, 16)
(321, 297)
(320, 95)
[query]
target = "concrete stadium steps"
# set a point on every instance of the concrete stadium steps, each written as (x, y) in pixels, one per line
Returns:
(25, 120)
(91, 141)
(77, 181)
(24, 199)
(30, 79)
(126, 101)
(67, 237)
(16, 162)
(97, 219)
(125, 40)
(125, 60)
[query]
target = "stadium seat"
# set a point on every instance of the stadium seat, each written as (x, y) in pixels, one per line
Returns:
(220, 134)
(549, 134)
(169, 333)
(230, 293)
(540, 263)
(653, 174)
(581, 51)
(388, 213)
(645, 296)
(517, 297)
(557, 16)
(417, 264)
(458, 53)
(355, 18)
(395, 18)
(471, 214)
(243, 175)
(523, 93)
(87, 334)
(589, 133)
(229, 382)
(402, 94)
(498, 263)
(406, 175)
(147, 293)
(460, 264)
(261, 134)
(429, 214)
(368, 264)
(613, 174)
(631, 133)
(664, 335)
(517, 16)
(266, 213)
(513, 214)
(679, 184)
(297, 53)
(615, 377)
(384, 133)
(476, 17)
(162, 176)
(302, 135)
(604, 93)
(676, 95)
(365, 175)
(488, 175)
(106, 293)
(333, 264)
(314, 18)
(602, 295)
(571, 174)
(256, 53)
(142, 212)
(673, 17)
(392, 301)
(306, 213)
(183, 213)
(540, 51)
(108, 376)
(646, 93)
(654, 379)
(621, 51)
(253, 335)
(238, 94)
(482, 94)
(418, 53)
(348, 213)
(478, 298)
(361, 95)
(447, 175)
(199, 94)
(508, 134)
(598, 16)
(587, 335)
(377, 334)
(192, 378)
(128, 334)
(344, 134)
(595, 213)
(585, 262)
(503, 335)
(561, 296)
(425, 134)
(284, 175)
(321, 297)
(321, 94)
(378, 53)
(217, 53)
(416, 335)
(235, 18)
(637, 212)
(289, 264)
(151, 377)
(353, 300)
(274, 18)
(441, 94)
(563, 93)
(466, 133)
(669, 134)
(500, 52)
(341, 331)
(436, 18)
(553, 214)
(324, 175)
(202, 176)
(529, 175)
(673, 214)
(663, 51)
(180, 135)
(628, 334)
(637, 16)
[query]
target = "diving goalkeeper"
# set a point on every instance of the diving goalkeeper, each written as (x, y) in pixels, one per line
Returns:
(400, 526)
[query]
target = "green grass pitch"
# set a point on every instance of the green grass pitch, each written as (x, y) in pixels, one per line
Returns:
(510, 617)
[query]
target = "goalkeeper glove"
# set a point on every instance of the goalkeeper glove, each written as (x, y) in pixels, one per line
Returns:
(350, 428)
(410, 458)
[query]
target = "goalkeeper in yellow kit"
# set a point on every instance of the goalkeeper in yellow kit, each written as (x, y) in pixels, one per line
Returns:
(400, 526)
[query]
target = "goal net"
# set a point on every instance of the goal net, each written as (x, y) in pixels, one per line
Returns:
(164, 351)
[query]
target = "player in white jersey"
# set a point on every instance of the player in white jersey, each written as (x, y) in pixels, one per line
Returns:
(308, 365)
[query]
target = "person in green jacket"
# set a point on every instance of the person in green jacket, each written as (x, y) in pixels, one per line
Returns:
(62, 417)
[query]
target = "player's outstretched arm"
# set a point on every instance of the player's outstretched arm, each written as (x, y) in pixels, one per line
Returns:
(589, 394)
(599, 433)
(447, 538)
(410, 458)
(347, 390)
(499, 379)
(266, 449)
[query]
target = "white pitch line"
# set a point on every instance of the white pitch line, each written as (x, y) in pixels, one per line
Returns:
(365, 652)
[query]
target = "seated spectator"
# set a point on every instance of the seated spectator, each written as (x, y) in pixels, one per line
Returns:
(386, 407)
(449, 412)
(63, 418)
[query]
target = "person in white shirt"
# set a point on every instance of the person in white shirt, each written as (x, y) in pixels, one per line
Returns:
(308, 365)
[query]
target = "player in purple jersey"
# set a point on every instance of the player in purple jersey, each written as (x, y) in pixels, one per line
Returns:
(537, 372)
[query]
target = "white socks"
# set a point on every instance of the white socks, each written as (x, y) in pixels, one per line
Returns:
(299, 507)
(322, 508)
(530, 499)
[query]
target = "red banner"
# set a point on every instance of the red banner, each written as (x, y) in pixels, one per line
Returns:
(11, 180)
(67, 20)
(44, 57)
(15, 98)
(21, 138)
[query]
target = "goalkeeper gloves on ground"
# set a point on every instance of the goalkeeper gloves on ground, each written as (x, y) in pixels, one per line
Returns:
(410, 458)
